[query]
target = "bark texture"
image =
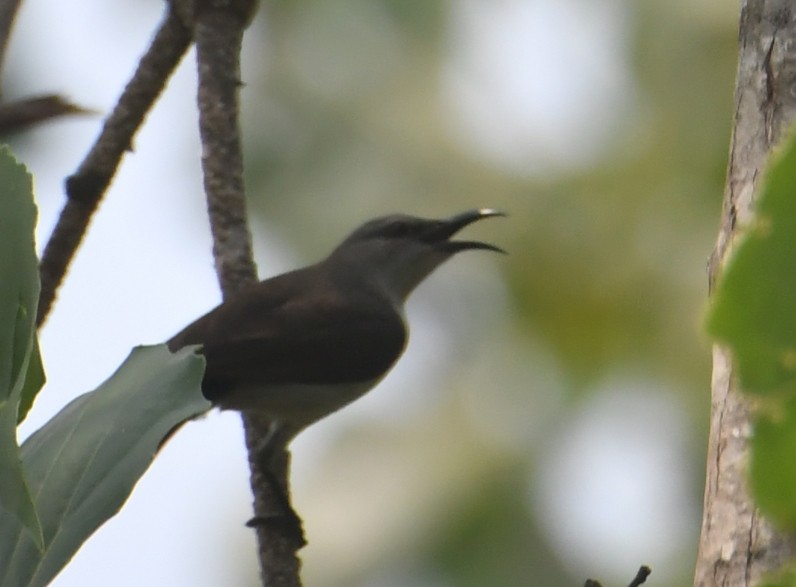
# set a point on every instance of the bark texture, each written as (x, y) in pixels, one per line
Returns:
(218, 27)
(737, 546)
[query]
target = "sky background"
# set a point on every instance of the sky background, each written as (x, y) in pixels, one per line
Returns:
(548, 417)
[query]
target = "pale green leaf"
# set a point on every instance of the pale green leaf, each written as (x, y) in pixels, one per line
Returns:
(83, 464)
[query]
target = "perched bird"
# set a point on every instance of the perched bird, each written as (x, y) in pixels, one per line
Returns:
(303, 344)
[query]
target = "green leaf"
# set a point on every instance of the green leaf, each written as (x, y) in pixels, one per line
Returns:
(753, 308)
(15, 496)
(34, 381)
(772, 474)
(19, 276)
(19, 271)
(83, 464)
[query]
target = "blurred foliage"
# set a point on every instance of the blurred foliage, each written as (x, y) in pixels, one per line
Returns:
(752, 313)
(772, 478)
(346, 118)
(607, 265)
(787, 581)
(752, 310)
(348, 115)
(484, 545)
(348, 123)
(785, 578)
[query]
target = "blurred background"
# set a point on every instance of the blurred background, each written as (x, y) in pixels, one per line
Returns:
(549, 419)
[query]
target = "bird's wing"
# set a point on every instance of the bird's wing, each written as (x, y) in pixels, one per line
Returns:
(293, 336)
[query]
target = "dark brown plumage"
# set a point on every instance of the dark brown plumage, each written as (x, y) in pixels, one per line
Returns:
(285, 331)
(303, 344)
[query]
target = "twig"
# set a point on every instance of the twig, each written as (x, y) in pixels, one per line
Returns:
(218, 32)
(21, 114)
(640, 578)
(8, 13)
(85, 188)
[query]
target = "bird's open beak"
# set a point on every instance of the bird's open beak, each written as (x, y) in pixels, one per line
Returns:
(450, 226)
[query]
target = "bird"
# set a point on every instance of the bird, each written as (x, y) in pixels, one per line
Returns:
(303, 344)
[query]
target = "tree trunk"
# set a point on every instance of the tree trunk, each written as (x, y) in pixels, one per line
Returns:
(737, 545)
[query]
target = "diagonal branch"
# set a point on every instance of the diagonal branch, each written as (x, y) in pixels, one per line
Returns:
(22, 114)
(26, 112)
(85, 188)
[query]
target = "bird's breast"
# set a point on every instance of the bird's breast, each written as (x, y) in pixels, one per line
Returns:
(293, 404)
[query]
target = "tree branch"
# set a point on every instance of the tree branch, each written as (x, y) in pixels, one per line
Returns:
(218, 37)
(218, 32)
(85, 188)
(737, 545)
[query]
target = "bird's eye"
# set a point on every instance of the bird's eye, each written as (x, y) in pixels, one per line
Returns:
(398, 230)
(389, 228)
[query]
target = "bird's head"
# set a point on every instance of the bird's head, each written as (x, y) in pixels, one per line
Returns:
(399, 251)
